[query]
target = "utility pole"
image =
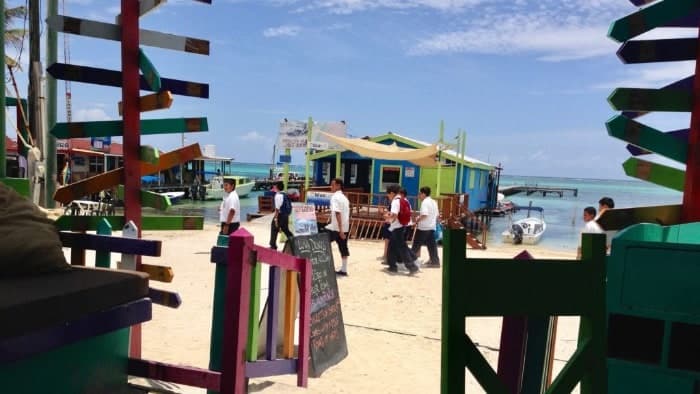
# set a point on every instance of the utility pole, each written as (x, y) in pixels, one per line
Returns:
(2, 94)
(34, 56)
(51, 108)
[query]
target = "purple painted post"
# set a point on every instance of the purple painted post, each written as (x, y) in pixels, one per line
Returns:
(273, 313)
(511, 356)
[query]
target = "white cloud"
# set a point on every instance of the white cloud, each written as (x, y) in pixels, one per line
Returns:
(90, 114)
(254, 136)
(351, 6)
(651, 76)
(284, 30)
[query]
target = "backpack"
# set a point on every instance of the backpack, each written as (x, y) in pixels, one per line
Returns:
(286, 207)
(404, 212)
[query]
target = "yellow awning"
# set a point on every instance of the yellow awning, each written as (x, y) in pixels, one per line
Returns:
(423, 157)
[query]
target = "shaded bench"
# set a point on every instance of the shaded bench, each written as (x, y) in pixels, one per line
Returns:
(68, 332)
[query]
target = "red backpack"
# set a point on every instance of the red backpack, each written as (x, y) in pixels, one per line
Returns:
(404, 212)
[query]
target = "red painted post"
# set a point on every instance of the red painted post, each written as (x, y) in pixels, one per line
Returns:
(233, 380)
(304, 323)
(691, 194)
(132, 137)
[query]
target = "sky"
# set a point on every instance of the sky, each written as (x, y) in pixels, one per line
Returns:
(527, 80)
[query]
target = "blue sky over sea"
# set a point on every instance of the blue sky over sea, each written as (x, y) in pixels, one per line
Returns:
(527, 80)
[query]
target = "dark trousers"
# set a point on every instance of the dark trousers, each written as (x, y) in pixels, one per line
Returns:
(427, 238)
(282, 225)
(342, 243)
(399, 250)
(231, 228)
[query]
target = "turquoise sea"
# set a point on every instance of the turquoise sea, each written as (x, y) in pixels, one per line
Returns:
(563, 215)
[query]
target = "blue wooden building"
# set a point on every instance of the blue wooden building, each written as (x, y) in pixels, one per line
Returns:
(374, 175)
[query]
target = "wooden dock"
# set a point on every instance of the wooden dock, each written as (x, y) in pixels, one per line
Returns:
(544, 190)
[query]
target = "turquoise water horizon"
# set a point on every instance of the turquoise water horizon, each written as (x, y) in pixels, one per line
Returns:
(562, 215)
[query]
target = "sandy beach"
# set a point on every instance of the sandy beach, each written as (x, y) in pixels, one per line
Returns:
(392, 322)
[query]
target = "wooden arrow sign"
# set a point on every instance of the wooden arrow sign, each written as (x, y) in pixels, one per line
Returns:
(115, 128)
(145, 6)
(109, 179)
(157, 272)
(685, 84)
(667, 50)
(681, 135)
(648, 138)
(152, 102)
(109, 31)
(164, 297)
(617, 219)
(148, 223)
(637, 99)
(101, 76)
(640, 3)
(656, 15)
(658, 174)
(150, 74)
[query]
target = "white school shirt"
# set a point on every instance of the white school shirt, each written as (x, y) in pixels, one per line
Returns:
(229, 202)
(279, 199)
(429, 209)
(395, 208)
(339, 203)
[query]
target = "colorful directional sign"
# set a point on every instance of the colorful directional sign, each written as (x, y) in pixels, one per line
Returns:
(150, 223)
(149, 154)
(158, 273)
(152, 102)
(648, 138)
(617, 219)
(685, 84)
(110, 179)
(659, 174)
(109, 31)
(668, 50)
(656, 15)
(149, 199)
(638, 99)
(150, 74)
(115, 128)
(101, 76)
(681, 135)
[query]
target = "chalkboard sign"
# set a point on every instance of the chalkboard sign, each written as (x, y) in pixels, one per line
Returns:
(328, 345)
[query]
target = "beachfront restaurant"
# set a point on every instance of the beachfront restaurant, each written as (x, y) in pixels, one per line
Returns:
(365, 164)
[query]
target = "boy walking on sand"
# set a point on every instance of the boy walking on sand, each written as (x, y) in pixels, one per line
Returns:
(339, 226)
(425, 228)
(397, 241)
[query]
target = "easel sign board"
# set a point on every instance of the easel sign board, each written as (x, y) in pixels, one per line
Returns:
(328, 343)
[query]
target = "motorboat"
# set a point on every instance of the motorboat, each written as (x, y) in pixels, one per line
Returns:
(174, 197)
(214, 190)
(527, 231)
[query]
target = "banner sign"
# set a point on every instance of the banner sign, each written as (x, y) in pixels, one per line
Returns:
(293, 135)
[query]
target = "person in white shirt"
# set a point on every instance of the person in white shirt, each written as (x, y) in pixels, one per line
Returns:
(339, 226)
(425, 228)
(280, 220)
(397, 243)
(604, 204)
(230, 209)
(589, 226)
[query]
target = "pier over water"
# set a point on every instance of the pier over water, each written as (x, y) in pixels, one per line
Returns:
(544, 190)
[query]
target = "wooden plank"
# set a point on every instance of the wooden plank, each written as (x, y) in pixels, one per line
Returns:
(681, 135)
(128, 259)
(110, 243)
(150, 223)
(685, 84)
(115, 128)
(109, 179)
(145, 6)
(254, 311)
(647, 137)
(158, 273)
(656, 15)
(640, 3)
(152, 102)
(638, 99)
(619, 218)
(658, 174)
(104, 77)
(20, 185)
(149, 199)
(190, 376)
(149, 154)
(691, 182)
(110, 31)
(482, 371)
(665, 50)
(150, 74)
(164, 298)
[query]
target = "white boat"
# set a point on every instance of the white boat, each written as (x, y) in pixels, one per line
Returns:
(214, 190)
(527, 231)
(174, 197)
